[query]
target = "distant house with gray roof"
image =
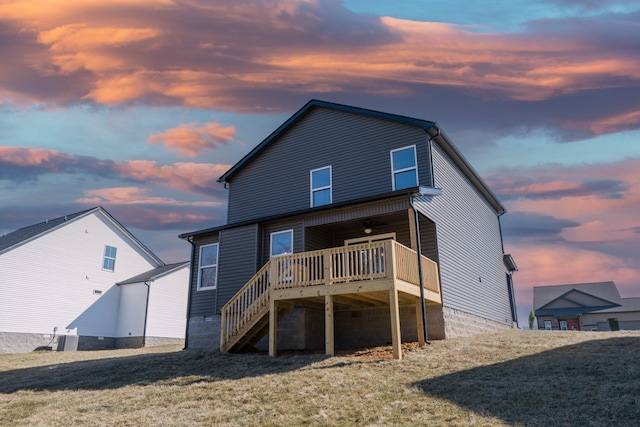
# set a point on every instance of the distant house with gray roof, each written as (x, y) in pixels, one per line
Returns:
(585, 307)
(83, 281)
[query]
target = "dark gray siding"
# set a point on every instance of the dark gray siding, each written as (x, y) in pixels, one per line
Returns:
(238, 261)
(470, 247)
(356, 147)
(202, 302)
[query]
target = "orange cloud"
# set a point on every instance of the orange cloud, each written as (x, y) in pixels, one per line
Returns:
(16, 163)
(610, 124)
(192, 140)
(601, 218)
(544, 265)
(77, 46)
(135, 196)
(158, 52)
(200, 177)
(24, 157)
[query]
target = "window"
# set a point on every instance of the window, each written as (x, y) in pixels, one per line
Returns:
(563, 325)
(547, 325)
(282, 243)
(208, 269)
(109, 261)
(404, 168)
(321, 186)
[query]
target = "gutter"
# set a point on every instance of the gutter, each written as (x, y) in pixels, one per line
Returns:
(146, 314)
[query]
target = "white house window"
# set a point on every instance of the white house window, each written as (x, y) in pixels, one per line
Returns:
(404, 168)
(321, 186)
(208, 268)
(109, 261)
(282, 243)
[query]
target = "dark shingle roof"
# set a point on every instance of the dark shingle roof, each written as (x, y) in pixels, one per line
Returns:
(430, 127)
(27, 233)
(607, 291)
(155, 273)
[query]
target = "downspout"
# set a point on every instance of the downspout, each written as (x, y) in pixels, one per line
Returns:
(186, 332)
(423, 306)
(146, 313)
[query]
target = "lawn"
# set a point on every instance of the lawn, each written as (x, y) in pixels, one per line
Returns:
(528, 378)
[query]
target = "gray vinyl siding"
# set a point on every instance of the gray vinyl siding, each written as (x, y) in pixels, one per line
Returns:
(317, 238)
(237, 261)
(356, 147)
(470, 249)
(202, 302)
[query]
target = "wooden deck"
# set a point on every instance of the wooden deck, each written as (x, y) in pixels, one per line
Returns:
(378, 274)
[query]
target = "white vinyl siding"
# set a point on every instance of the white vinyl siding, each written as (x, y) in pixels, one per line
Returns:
(208, 269)
(61, 291)
(404, 168)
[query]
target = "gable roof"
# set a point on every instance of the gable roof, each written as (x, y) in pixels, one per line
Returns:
(156, 273)
(431, 128)
(606, 292)
(26, 234)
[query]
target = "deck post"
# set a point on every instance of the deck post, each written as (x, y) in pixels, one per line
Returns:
(329, 341)
(223, 330)
(273, 326)
(412, 229)
(395, 323)
(421, 334)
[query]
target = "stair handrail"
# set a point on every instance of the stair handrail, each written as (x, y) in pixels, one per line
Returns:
(244, 305)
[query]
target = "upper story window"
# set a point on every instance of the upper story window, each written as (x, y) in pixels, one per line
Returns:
(208, 268)
(321, 186)
(282, 243)
(109, 261)
(404, 168)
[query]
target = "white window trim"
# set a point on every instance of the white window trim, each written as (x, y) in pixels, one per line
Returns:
(271, 255)
(200, 267)
(394, 171)
(104, 256)
(326, 187)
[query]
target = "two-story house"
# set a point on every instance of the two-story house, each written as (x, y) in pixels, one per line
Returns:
(84, 282)
(324, 220)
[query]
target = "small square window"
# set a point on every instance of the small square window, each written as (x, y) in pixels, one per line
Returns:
(321, 186)
(109, 260)
(404, 168)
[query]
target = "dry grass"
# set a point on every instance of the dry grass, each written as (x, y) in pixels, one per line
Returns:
(515, 378)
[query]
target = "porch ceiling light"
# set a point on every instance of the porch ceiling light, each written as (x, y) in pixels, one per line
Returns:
(367, 226)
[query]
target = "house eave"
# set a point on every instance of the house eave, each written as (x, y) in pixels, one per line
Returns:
(439, 136)
(393, 194)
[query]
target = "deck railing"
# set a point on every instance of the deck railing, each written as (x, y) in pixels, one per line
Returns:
(240, 311)
(367, 261)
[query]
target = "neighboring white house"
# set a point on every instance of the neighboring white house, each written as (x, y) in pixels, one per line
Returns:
(59, 287)
(163, 291)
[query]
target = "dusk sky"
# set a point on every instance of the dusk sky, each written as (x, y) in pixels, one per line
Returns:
(140, 105)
